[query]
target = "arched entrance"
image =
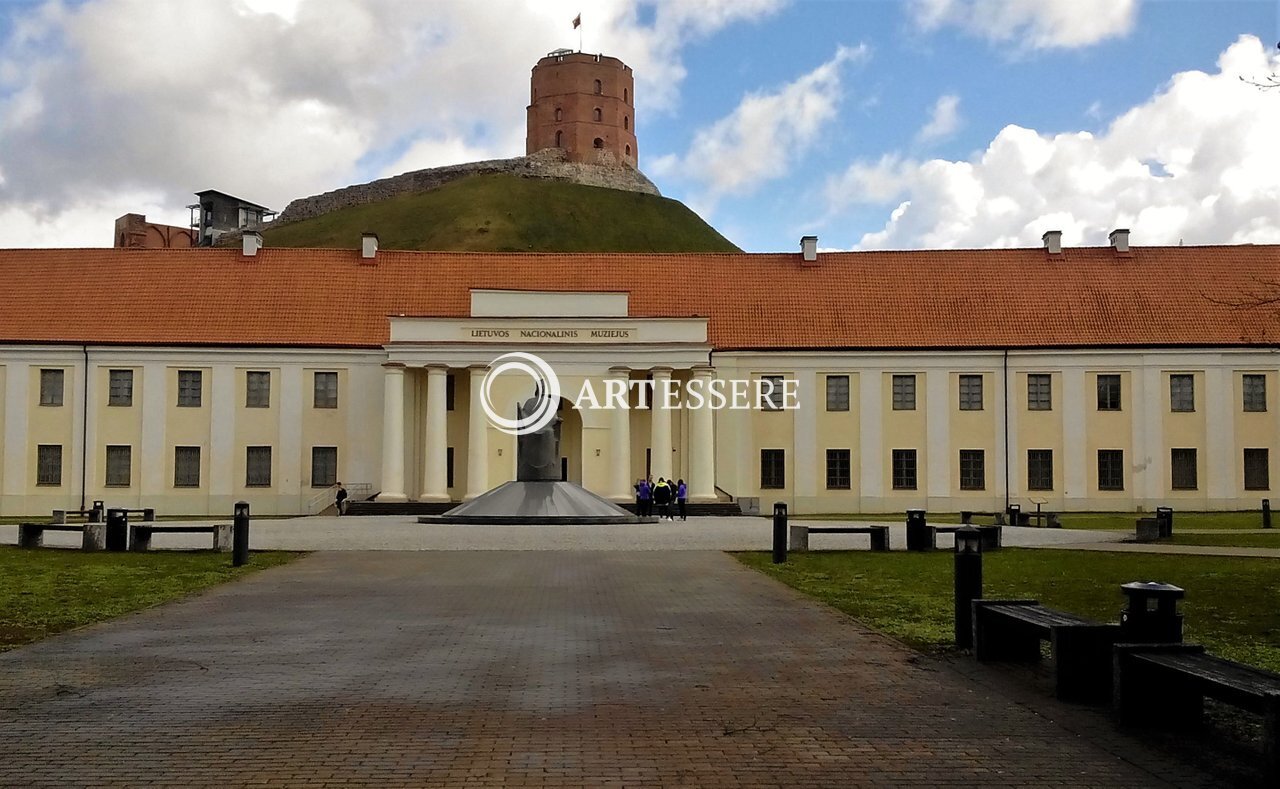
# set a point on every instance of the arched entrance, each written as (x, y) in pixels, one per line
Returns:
(570, 442)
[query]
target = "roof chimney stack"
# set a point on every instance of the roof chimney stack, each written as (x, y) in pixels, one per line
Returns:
(250, 243)
(1052, 241)
(1120, 239)
(368, 246)
(809, 249)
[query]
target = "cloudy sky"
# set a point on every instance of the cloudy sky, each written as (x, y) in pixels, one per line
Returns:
(872, 124)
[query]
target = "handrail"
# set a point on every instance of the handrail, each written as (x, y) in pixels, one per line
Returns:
(320, 500)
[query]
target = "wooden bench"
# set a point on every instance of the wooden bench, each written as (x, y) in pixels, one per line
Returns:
(1013, 629)
(1165, 685)
(140, 534)
(31, 535)
(799, 535)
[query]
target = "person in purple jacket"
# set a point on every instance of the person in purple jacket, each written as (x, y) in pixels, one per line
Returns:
(644, 499)
(682, 499)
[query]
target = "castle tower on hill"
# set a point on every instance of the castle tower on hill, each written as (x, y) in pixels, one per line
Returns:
(583, 104)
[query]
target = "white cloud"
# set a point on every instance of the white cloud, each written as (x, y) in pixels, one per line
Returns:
(1196, 162)
(944, 119)
(277, 99)
(763, 135)
(1031, 24)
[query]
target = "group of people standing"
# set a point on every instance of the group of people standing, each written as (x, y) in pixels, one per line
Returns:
(662, 493)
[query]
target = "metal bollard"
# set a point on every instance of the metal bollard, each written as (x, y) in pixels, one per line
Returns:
(240, 535)
(968, 582)
(117, 530)
(780, 533)
(1266, 513)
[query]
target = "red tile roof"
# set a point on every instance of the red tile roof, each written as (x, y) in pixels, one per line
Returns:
(1090, 297)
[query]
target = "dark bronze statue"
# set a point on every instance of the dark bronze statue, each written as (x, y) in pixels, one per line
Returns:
(538, 453)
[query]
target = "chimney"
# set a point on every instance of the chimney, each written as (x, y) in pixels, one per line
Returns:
(1052, 241)
(809, 249)
(368, 246)
(250, 243)
(1120, 239)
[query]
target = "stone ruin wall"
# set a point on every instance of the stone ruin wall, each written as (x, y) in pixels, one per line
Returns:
(549, 163)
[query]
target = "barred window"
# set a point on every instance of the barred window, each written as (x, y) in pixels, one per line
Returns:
(51, 387)
(186, 467)
(1183, 464)
(1255, 392)
(904, 393)
(1110, 469)
(49, 464)
(904, 469)
(257, 389)
(838, 469)
(1108, 392)
(119, 460)
(837, 393)
(324, 466)
(1039, 469)
(1257, 469)
(189, 388)
(1182, 392)
(971, 393)
(120, 387)
(771, 396)
(1039, 392)
(973, 469)
(257, 467)
(326, 390)
(773, 469)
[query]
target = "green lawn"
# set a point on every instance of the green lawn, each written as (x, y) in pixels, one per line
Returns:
(50, 590)
(1108, 521)
(1231, 604)
(1259, 539)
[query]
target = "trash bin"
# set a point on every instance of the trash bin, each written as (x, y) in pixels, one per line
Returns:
(1151, 613)
(1014, 512)
(1164, 516)
(919, 536)
(117, 530)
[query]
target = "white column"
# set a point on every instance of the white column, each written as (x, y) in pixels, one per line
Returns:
(435, 480)
(477, 437)
(392, 433)
(620, 479)
(660, 426)
(702, 476)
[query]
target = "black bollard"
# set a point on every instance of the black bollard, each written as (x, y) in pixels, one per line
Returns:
(117, 530)
(780, 533)
(1266, 513)
(968, 563)
(240, 535)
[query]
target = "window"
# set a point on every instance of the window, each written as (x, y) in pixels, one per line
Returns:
(119, 459)
(837, 393)
(1108, 392)
(771, 396)
(597, 143)
(186, 467)
(626, 122)
(189, 386)
(1257, 470)
(559, 135)
(773, 469)
(1110, 469)
(628, 150)
(1182, 392)
(971, 393)
(257, 389)
(973, 469)
(1183, 464)
(624, 96)
(51, 387)
(559, 114)
(904, 393)
(904, 469)
(597, 115)
(257, 467)
(1039, 469)
(324, 466)
(838, 469)
(49, 464)
(1039, 392)
(450, 386)
(599, 87)
(120, 387)
(1255, 392)
(326, 390)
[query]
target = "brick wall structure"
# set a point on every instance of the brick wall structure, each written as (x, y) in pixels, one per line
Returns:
(585, 105)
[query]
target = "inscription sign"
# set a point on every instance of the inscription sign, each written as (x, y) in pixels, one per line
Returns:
(554, 335)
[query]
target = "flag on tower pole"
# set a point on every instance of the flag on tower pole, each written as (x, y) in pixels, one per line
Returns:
(577, 21)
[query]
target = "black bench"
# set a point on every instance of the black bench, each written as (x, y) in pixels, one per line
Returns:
(31, 535)
(1165, 685)
(1011, 630)
(140, 534)
(799, 535)
(62, 517)
(967, 516)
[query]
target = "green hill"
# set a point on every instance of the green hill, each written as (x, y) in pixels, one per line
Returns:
(505, 213)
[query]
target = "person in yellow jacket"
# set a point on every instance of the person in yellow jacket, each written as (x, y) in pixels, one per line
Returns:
(662, 496)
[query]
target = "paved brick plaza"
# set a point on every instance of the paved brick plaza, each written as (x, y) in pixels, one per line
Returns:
(526, 669)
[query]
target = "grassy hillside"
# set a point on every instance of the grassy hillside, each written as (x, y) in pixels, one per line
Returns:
(503, 213)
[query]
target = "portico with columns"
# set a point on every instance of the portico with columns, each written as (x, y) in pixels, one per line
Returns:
(438, 444)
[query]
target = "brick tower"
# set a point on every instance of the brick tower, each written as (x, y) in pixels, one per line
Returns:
(583, 104)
